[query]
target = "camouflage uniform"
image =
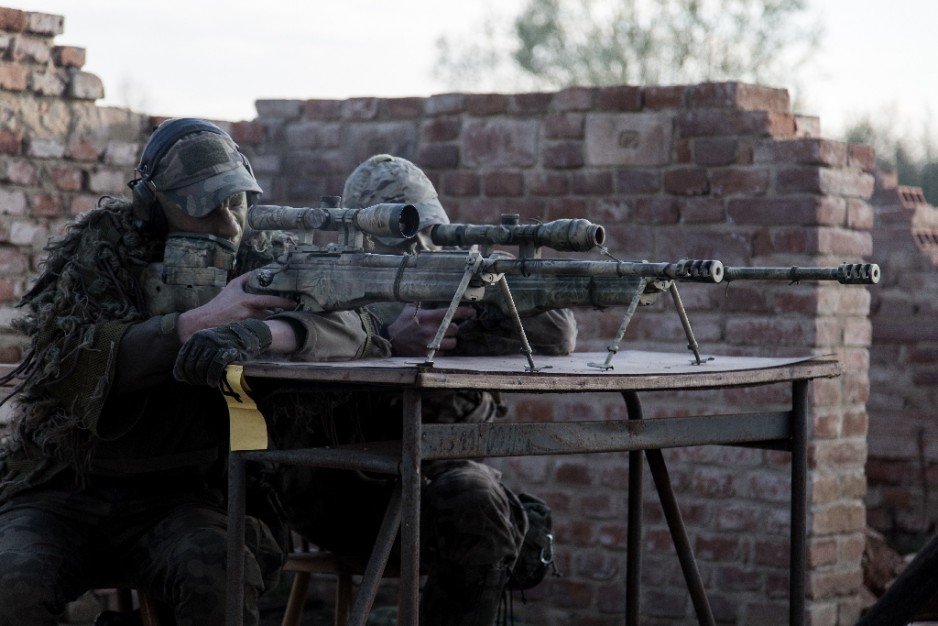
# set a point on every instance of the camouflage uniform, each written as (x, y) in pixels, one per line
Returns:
(472, 525)
(115, 470)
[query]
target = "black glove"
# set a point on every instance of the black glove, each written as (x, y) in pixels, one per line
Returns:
(202, 359)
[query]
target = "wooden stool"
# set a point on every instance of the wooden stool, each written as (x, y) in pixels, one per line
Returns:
(149, 608)
(305, 563)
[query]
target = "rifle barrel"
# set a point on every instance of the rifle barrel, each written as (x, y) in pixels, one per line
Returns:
(845, 273)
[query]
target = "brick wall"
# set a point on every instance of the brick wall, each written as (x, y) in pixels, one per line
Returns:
(903, 458)
(710, 171)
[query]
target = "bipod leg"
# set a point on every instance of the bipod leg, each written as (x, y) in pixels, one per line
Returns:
(516, 318)
(613, 347)
(685, 322)
(473, 261)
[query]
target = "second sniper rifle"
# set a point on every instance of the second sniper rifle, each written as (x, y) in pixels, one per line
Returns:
(343, 275)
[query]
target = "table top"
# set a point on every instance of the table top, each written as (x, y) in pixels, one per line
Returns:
(632, 370)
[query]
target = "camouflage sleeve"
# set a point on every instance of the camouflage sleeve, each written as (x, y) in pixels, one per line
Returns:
(492, 333)
(337, 336)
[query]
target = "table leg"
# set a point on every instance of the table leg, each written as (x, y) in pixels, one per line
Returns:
(799, 501)
(633, 563)
(234, 612)
(685, 555)
(378, 560)
(408, 605)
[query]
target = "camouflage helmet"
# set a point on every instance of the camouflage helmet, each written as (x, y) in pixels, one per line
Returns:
(386, 178)
(201, 170)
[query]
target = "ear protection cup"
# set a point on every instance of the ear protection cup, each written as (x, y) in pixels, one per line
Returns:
(145, 205)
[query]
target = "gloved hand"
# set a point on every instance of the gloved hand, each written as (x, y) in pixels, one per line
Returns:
(202, 359)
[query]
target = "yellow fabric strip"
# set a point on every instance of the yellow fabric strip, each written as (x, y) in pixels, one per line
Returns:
(246, 424)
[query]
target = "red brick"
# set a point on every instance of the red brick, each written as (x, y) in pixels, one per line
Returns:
(563, 155)
(83, 150)
(68, 56)
(482, 104)
(716, 151)
(360, 109)
(802, 152)
(701, 210)
(574, 99)
(686, 181)
(733, 578)
(82, 204)
(570, 594)
(13, 77)
(66, 178)
(11, 141)
(592, 183)
(771, 553)
(739, 95)
(619, 98)
(824, 181)
(13, 20)
(682, 152)
(248, 133)
(671, 97)
(716, 122)
(859, 214)
(445, 104)
(45, 24)
(499, 142)
(441, 129)
(531, 103)
(461, 184)
(841, 242)
(322, 109)
(547, 183)
(564, 126)
(827, 584)
(573, 532)
(504, 184)
(784, 332)
(807, 211)
(717, 548)
(438, 156)
(403, 108)
(46, 205)
(538, 409)
(739, 180)
(656, 210)
(573, 473)
(630, 180)
(861, 156)
(20, 172)
(614, 536)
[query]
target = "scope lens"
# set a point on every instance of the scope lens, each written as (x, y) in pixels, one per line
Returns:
(409, 221)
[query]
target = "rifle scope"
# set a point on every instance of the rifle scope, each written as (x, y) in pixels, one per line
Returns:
(577, 235)
(381, 220)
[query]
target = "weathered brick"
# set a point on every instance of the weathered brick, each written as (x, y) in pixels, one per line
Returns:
(48, 83)
(504, 184)
(438, 156)
(656, 210)
(839, 182)
(739, 180)
(445, 104)
(572, 473)
(802, 152)
(28, 49)
(574, 99)
(84, 86)
(701, 210)
(547, 183)
(859, 214)
(482, 104)
(530, 103)
(311, 109)
(28, 233)
(461, 184)
(716, 151)
(739, 95)
(13, 20)
(686, 181)
(862, 157)
(248, 133)
(807, 126)
(499, 143)
(360, 109)
(46, 205)
(563, 155)
(735, 578)
(13, 77)
(11, 141)
(592, 183)
(768, 331)
(82, 203)
(84, 149)
(441, 129)
(68, 56)
(841, 242)
(826, 584)
(669, 97)
(313, 134)
(121, 152)
(107, 181)
(66, 178)
(805, 210)
(619, 98)
(12, 201)
(18, 172)
(633, 139)
(45, 148)
(629, 180)
(774, 553)
(564, 126)
(403, 108)
(716, 122)
(45, 24)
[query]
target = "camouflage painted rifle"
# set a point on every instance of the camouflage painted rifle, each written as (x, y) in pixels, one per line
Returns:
(343, 276)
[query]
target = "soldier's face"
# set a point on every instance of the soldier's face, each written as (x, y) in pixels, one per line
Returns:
(227, 221)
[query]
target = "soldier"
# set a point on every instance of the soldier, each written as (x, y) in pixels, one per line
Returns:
(115, 470)
(473, 526)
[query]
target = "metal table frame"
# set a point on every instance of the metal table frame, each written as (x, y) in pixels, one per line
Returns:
(784, 430)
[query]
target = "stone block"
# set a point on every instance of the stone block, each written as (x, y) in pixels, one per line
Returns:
(29, 49)
(13, 77)
(48, 83)
(85, 86)
(45, 24)
(68, 56)
(499, 143)
(45, 148)
(13, 20)
(633, 139)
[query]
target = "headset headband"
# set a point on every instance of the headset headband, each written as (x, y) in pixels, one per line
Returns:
(164, 138)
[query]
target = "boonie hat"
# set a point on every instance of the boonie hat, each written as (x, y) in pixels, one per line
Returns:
(200, 171)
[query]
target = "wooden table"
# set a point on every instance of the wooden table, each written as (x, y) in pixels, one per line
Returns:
(633, 372)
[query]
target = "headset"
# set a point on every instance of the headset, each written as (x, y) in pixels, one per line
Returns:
(147, 212)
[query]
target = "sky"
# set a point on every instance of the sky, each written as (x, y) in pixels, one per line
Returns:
(214, 58)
